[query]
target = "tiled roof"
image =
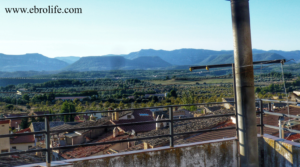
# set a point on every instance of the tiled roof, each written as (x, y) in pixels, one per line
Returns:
(72, 125)
(139, 116)
(39, 126)
(273, 120)
(92, 150)
(62, 127)
(22, 139)
(293, 137)
(4, 121)
(185, 126)
(212, 135)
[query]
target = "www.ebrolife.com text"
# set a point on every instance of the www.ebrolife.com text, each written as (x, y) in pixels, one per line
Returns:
(48, 10)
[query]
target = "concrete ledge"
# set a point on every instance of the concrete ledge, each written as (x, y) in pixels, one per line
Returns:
(279, 152)
(222, 152)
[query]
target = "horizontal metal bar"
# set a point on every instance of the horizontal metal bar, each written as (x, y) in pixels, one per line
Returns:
(288, 102)
(230, 65)
(107, 126)
(139, 123)
(22, 134)
(22, 152)
(281, 115)
(205, 117)
(275, 127)
(208, 130)
(93, 112)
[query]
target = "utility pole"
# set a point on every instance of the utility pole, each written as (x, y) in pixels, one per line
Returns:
(247, 130)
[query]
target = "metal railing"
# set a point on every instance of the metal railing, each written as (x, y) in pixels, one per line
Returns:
(262, 112)
(47, 132)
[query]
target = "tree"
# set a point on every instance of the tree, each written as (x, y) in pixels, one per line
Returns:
(51, 97)
(25, 97)
(24, 124)
(172, 94)
(68, 107)
(76, 100)
(9, 107)
(189, 98)
(121, 105)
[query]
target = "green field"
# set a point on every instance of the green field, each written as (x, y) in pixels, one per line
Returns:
(182, 82)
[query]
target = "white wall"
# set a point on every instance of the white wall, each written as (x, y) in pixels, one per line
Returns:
(22, 146)
(4, 142)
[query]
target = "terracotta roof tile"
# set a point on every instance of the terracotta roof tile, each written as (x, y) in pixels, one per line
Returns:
(22, 139)
(4, 121)
(91, 150)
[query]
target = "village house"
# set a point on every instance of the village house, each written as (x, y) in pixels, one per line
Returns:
(40, 126)
(4, 142)
(14, 121)
(134, 117)
(22, 143)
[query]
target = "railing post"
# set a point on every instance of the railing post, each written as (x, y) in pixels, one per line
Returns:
(261, 106)
(171, 127)
(235, 103)
(47, 141)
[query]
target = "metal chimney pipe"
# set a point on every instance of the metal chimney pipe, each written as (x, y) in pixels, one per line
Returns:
(248, 142)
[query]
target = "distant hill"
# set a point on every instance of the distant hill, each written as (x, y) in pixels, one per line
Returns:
(27, 62)
(69, 59)
(224, 59)
(96, 63)
(289, 54)
(199, 56)
(177, 57)
(143, 59)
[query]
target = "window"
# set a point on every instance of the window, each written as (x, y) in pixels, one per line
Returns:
(14, 147)
(144, 114)
(4, 151)
(29, 147)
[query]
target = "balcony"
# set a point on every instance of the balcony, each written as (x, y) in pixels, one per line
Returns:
(172, 141)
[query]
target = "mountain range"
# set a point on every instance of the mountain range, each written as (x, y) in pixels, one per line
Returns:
(30, 62)
(143, 59)
(68, 59)
(96, 63)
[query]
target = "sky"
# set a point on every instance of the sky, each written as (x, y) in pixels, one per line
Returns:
(124, 26)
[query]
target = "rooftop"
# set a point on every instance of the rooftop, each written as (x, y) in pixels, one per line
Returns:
(93, 150)
(22, 139)
(139, 116)
(4, 121)
(185, 126)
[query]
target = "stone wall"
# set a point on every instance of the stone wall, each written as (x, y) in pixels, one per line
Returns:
(221, 153)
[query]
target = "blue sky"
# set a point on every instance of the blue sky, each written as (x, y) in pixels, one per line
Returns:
(121, 27)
